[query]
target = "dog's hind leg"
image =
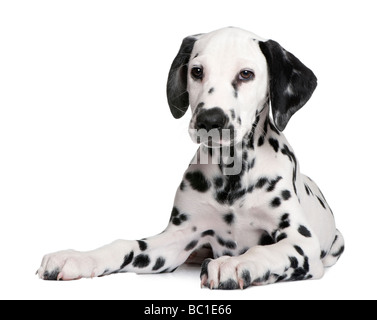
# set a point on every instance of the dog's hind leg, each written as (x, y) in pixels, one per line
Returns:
(336, 250)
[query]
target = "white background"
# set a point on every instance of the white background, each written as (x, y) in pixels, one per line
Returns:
(89, 152)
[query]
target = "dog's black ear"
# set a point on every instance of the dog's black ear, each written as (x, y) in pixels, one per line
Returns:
(176, 89)
(291, 82)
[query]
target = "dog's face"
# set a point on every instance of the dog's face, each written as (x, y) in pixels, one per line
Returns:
(228, 77)
(227, 85)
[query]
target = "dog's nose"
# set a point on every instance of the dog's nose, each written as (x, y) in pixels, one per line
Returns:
(214, 118)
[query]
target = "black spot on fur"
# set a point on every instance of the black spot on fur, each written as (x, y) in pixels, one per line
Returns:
(252, 132)
(210, 91)
(299, 250)
(274, 143)
(286, 194)
(229, 218)
(160, 262)
(53, 275)
(219, 182)
(230, 284)
(281, 278)
(321, 202)
(127, 259)
(198, 109)
(208, 233)
(177, 218)
(261, 182)
(228, 244)
(273, 183)
(141, 261)
(306, 264)
(284, 223)
(244, 250)
(287, 152)
(176, 221)
(246, 278)
(276, 202)
(251, 164)
(142, 245)
(323, 254)
(294, 262)
(235, 85)
(281, 237)
(339, 252)
(198, 181)
(264, 278)
(308, 190)
(191, 245)
(298, 274)
(250, 188)
(174, 212)
(304, 231)
(232, 190)
(335, 238)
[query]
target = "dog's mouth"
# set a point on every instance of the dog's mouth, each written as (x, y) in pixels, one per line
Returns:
(210, 143)
(215, 138)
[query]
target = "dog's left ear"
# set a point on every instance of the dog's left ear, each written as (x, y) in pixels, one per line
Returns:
(176, 88)
(291, 82)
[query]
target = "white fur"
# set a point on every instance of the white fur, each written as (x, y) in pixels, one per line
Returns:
(273, 197)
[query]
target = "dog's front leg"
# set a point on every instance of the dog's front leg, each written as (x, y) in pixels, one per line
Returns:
(160, 253)
(289, 250)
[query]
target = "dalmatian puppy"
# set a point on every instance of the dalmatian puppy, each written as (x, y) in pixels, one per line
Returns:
(243, 199)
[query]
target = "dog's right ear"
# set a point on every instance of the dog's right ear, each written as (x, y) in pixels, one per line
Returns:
(176, 89)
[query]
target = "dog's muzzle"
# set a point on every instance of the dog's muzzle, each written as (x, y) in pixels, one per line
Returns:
(212, 128)
(214, 118)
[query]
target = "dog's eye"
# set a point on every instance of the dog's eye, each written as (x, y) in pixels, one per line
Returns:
(246, 75)
(197, 73)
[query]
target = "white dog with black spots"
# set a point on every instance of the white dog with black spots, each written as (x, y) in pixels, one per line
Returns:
(243, 206)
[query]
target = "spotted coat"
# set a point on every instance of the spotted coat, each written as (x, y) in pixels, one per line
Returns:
(261, 220)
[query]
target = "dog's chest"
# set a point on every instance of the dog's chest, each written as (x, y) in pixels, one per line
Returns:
(238, 228)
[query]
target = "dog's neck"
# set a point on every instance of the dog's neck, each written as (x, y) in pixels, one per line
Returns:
(259, 130)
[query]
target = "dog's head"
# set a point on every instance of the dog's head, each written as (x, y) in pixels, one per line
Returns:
(228, 77)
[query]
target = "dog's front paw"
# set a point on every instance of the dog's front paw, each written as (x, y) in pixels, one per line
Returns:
(225, 273)
(68, 265)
